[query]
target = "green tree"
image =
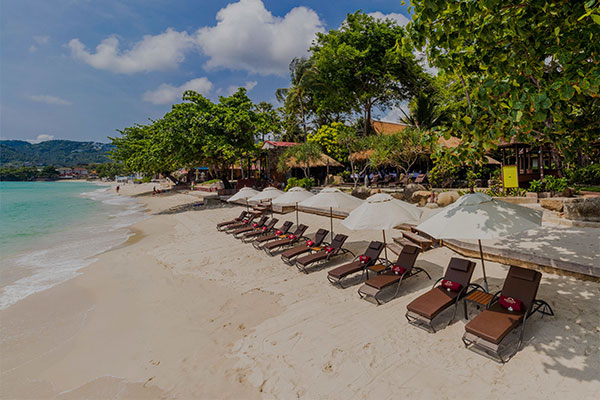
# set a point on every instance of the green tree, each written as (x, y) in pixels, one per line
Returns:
(425, 113)
(363, 67)
(528, 70)
(302, 154)
(268, 122)
(328, 138)
(400, 150)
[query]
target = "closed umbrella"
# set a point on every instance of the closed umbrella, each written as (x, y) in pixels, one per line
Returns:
(382, 211)
(479, 216)
(331, 199)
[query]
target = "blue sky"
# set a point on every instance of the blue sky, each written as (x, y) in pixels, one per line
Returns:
(80, 69)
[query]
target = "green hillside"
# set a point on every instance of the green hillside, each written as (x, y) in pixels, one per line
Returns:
(53, 152)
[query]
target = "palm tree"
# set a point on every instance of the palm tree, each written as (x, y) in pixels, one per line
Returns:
(424, 113)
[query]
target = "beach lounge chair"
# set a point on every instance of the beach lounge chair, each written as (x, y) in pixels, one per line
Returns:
(249, 227)
(315, 244)
(334, 249)
(404, 267)
(221, 226)
(420, 178)
(290, 240)
(279, 233)
(454, 286)
(265, 229)
(507, 311)
(360, 263)
(246, 221)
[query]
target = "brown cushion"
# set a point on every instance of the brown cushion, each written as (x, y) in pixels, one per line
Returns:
(410, 249)
(381, 281)
(432, 303)
(295, 251)
(311, 258)
(494, 323)
(346, 269)
(522, 273)
(459, 264)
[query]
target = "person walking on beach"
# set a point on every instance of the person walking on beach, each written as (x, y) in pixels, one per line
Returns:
(118, 189)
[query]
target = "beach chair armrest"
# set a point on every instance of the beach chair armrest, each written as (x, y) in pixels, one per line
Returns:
(436, 282)
(494, 298)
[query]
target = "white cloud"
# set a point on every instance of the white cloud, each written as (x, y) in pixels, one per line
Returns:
(43, 98)
(32, 48)
(161, 52)
(233, 88)
(395, 113)
(41, 138)
(248, 37)
(169, 94)
(399, 18)
(41, 39)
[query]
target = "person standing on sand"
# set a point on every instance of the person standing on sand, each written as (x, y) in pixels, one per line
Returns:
(118, 189)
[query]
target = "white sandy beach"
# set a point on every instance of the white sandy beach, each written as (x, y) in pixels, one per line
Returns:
(182, 311)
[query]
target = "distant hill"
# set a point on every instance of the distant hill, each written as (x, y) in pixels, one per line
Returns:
(53, 152)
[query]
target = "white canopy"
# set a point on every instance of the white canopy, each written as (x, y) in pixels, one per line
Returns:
(381, 211)
(243, 194)
(293, 196)
(268, 193)
(334, 198)
(479, 216)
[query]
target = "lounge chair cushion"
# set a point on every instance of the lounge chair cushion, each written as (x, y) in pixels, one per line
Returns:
(494, 323)
(311, 258)
(432, 303)
(346, 269)
(451, 286)
(398, 270)
(381, 281)
(525, 274)
(510, 303)
(459, 264)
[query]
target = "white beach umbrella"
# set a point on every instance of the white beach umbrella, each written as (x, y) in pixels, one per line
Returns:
(479, 216)
(330, 199)
(244, 194)
(293, 196)
(268, 193)
(382, 211)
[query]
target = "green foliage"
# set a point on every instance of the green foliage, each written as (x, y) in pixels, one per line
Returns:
(555, 185)
(27, 173)
(331, 139)
(425, 112)
(535, 186)
(443, 174)
(305, 183)
(524, 70)
(360, 66)
(589, 175)
(400, 150)
(345, 175)
(589, 188)
(472, 176)
(301, 156)
(209, 182)
(110, 170)
(53, 152)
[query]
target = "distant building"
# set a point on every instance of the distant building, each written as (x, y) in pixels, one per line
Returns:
(65, 172)
(80, 173)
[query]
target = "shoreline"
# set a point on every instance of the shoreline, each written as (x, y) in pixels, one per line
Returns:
(181, 311)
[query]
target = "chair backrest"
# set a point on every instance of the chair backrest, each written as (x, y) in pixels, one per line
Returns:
(242, 215)
(262, 221)
(300, 229)
(408, 256)
(460, 271)
(420, 178)
(286, 227)
(522, 284)
(251, 217)
(337, 243)
(271, 224)
(320, 236)
(373, 251)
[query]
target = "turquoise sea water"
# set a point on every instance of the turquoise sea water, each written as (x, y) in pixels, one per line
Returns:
(50, 230)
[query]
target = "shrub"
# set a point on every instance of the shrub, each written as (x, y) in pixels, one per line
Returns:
(345, 175)
(535, 186)
(555, 185)
(589, 175)
(305, 183)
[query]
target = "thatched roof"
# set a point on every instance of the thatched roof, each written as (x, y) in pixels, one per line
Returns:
(387, 128)
(323, 161)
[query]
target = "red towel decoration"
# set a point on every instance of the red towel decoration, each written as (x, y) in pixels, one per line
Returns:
(398, 270)
(292, 237)
(510, 303)
(329, 249)
(264, 228)
(278, 232)
(364, 259)
(254, 225)
(310, 243)
(451, 286)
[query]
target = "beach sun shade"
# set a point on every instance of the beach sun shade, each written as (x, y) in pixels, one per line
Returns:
(243, 194)
(382, 211)
(293, 196)
(332, 198)
(268, 193)
(478, 216)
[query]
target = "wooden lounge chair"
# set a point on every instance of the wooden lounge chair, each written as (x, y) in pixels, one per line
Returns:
(279, 233)
(221, 226)
(508, 309)
(360, 263)
(404, 267)
(420, 178)
(423, 309)
(290, 240)
(316, 244)
(246, 221)
(265, 229)
(334, 249)
(249, 227)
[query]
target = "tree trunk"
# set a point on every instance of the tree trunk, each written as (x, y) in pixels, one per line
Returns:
(172, 178)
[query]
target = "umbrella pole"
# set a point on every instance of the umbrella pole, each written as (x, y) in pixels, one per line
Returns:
(331, 219)
(384, 244)
(485, 282)
(296, 213)
(247, 208)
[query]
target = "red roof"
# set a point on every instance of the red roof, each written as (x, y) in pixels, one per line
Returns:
(280, 144)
